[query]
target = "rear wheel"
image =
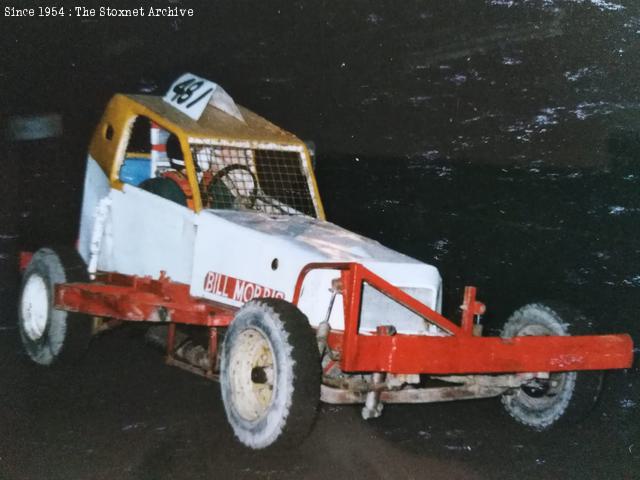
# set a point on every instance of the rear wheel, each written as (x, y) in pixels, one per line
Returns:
(563, 396)
(50, 335)
(270, 374)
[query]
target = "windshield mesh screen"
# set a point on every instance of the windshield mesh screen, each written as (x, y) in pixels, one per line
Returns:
(269, 181)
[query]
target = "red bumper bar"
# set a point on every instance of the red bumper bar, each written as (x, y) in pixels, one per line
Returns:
(460, 352)
(461, 355)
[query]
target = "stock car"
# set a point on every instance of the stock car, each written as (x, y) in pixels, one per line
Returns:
(202, 218)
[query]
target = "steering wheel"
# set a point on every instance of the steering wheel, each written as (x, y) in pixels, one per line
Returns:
(244, 185)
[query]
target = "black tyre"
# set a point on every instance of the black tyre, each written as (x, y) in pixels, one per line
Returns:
(270, 374)
(49, 335)
(564, 397)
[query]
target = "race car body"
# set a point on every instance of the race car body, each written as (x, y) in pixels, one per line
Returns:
(204, 218)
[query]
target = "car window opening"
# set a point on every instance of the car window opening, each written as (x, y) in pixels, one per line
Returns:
(229, 178)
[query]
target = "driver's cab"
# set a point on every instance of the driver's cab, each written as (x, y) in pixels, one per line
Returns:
(160, 169)
(206, 168)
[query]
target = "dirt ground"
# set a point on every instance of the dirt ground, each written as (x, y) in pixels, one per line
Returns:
(123, 414)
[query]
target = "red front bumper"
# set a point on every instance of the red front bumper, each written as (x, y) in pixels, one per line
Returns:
(467, 354)
(461, 352)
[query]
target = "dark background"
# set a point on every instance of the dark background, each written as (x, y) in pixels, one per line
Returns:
(501, 82)
(498, 140)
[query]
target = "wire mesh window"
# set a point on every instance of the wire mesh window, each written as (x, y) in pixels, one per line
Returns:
(269, 181)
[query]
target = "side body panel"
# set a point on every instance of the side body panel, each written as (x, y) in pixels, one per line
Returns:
(146, 234)
(241, 255)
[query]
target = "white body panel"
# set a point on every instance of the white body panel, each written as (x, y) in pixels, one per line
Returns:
(146, 234)
(243, 245)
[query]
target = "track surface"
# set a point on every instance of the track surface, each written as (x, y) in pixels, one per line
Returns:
(123, 414)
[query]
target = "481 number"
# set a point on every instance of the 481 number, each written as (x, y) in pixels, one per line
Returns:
(184, 91)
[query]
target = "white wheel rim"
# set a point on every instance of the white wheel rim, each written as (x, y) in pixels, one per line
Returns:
(252, 374)
(35, 307)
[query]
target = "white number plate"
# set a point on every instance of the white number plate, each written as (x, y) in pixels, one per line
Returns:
(190, 94)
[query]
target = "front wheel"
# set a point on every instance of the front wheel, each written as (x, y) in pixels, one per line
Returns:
(563, 396)
(270, 374)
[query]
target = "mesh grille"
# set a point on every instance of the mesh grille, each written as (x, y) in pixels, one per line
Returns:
(268, 181)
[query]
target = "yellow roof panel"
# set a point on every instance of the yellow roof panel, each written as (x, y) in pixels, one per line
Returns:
(215, 123)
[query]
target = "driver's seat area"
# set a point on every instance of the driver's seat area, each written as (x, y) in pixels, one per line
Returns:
(172, 184)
